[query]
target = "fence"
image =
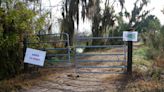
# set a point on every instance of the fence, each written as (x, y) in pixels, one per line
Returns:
(56, 45)
(95, 61)
(102, 55)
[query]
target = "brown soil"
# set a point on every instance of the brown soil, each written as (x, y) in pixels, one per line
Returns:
(67, 80)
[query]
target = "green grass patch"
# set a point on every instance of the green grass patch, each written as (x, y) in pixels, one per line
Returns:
(141, 52)
(140, 58)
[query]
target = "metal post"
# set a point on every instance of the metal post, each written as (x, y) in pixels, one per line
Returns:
(69, 49)
(129, 63)
(24, 51)
(130, 55)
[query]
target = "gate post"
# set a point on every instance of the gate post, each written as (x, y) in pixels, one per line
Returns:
(24, 51)
(130, 52)
(130, 55)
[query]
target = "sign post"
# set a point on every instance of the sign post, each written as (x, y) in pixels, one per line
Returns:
(129, 62)
(130, 36)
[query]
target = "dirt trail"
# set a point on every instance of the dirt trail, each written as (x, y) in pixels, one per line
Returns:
(69, 81)
(66, 80)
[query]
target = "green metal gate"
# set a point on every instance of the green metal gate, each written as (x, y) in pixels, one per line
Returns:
(56, 45)
(94, 60)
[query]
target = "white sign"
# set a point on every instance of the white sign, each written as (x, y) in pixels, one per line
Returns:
(36, 57)
(130, 36)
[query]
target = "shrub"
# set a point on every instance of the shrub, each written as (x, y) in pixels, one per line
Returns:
(155, 42)
(15, 21)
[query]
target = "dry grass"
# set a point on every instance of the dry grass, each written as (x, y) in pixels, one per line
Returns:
(26, 80)
(138, 82)
(135, 83)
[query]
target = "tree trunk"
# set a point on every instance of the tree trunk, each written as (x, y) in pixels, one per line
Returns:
(71, 30)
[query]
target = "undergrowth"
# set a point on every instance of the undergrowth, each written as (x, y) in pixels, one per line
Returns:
(145, 65)
(26, 80)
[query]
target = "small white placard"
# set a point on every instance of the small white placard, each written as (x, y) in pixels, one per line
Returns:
(130, 36)
(36, 57)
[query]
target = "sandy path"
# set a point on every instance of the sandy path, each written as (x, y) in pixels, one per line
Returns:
(69, 81)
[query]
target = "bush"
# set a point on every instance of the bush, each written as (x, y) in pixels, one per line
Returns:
(155, 42)
(14, 22)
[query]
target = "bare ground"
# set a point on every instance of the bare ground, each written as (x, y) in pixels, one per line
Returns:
(72, 82)
(67, 80)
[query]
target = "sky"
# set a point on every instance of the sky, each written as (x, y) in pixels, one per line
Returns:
(158, 5)
(155, 5)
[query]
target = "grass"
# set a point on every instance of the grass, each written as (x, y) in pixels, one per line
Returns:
(140, 57)
(144, 78)
(25, 80)
(142, 64)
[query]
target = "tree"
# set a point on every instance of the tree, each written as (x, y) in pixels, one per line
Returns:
(155, 40)
(149, 26)
(150, 23)
(70, 13)
(102, 22)
(137, 14)
(91, 10)
(15, 21)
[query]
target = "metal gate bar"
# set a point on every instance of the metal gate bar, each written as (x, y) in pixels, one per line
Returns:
(101, 60)
(80, 55)
(102, 72)
(101, 66)
(51, 55)
(101, 46)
